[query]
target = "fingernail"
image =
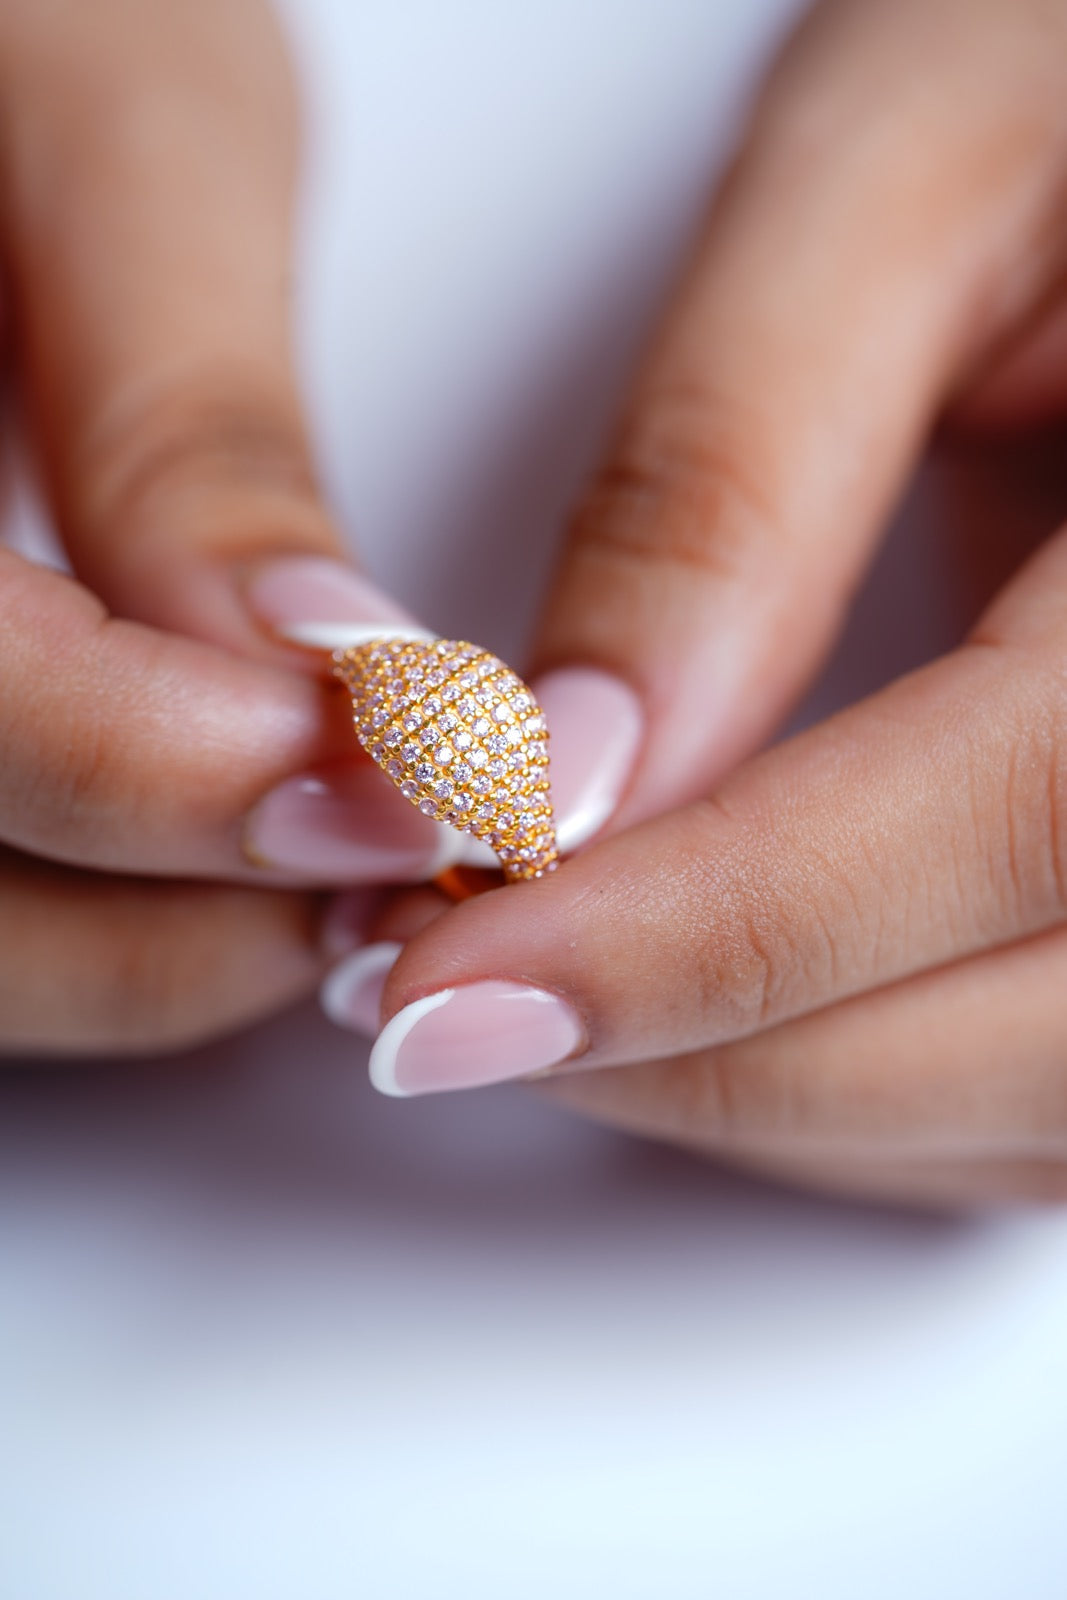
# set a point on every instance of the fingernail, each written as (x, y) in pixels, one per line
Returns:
(344, 825)
(595, 725)
(478, 1034)
(352, 994)
(323, 604)
(345, 922)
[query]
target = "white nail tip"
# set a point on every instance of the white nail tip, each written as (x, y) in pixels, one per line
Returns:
(387, 1045)
(344, 635)
(450, 851)
(373, 961)
(584, 821)
(476, 853)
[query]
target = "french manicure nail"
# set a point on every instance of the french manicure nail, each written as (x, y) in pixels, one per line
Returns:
(343, 825)
(323, 604)
(352, 994)
(476, 1034)
(595, 725)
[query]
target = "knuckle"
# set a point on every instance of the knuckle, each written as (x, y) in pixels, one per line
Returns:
(764, 947)
(203, 438)
(683, 486)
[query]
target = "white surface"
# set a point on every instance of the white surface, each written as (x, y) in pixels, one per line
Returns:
(267, 1335)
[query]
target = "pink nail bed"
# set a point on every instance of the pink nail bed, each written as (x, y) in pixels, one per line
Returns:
(473, 1035)
(306, 589)
(343, 825)
(595, 723)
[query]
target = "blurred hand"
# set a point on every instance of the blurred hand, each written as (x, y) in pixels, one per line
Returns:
(844, 963)
(152, 726)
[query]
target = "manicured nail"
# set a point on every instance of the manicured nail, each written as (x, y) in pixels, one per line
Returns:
(343, 825)
(313, 601)
(352, 994)
(477, 1034)
(595, 725)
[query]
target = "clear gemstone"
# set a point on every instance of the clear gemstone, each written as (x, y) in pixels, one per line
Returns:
(463, 740)
(497, 768)
(444, 789)
(450, 692)
(428, 737)
(501, 713)
(521, 702)
(392, 737)
(502, 797)
(485, 811)
(506, 818)
(517, 760)
(395, 686)
(424, 772)
(411, 753)
(481, 785)
(443, 754)
(467, 707)
(463, 802)
(462, 772)
(482, 727)
(497, 744)
(527, 820)
(477, 758)
(395, 769)
(409, 790)
(468, 679)
(428, 808)
(446, 722)
(380, 718)
(515, 734)
(535, 724)
(378, 751)
(432, 705)
(436, 677)
(412, 721)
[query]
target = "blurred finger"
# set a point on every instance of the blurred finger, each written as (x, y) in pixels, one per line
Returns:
(94, 964)
(148, 232)
(135, 751)
(874, 240)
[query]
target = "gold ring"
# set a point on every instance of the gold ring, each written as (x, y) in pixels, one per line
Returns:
(463, 739)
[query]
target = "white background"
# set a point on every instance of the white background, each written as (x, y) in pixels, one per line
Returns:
(264, 1334)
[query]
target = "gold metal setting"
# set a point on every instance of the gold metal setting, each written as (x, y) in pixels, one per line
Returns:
(462, 738)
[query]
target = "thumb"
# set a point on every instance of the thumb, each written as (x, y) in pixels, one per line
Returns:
(871, 240)
(148, 189)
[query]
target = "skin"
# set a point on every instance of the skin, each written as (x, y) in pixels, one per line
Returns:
(142, 712)
(838, 962)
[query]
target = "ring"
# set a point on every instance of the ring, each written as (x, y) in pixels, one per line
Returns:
(463, 739)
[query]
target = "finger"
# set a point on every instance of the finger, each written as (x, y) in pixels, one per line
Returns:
(967, 1064)
(366, 951)
(921, 826)
(872, 240)
(95, 964)
(148, 185)
(135, 751)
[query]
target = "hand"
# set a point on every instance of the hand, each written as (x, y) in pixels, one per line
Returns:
(164, 759)
(844, 963)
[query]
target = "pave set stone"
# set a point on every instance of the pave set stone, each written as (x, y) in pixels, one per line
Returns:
(461, 737)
